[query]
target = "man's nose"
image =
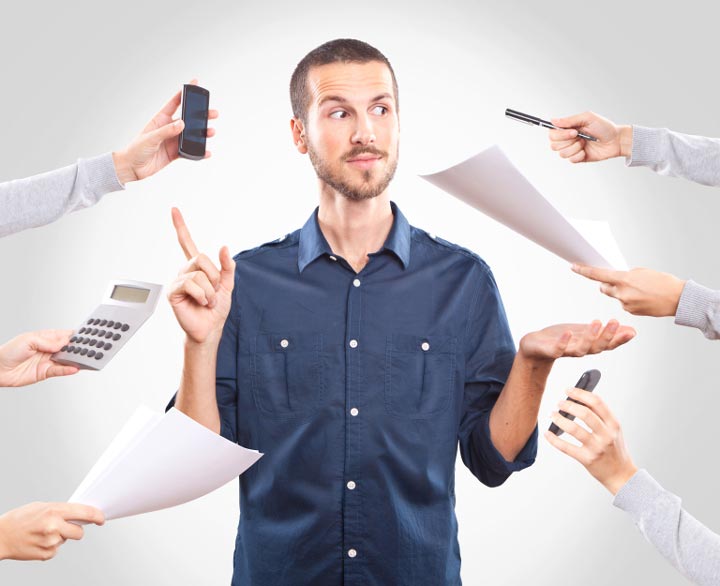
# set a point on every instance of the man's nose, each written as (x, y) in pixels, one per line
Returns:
(363, 131)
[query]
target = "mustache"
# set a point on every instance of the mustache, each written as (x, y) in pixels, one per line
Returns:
(363, 150)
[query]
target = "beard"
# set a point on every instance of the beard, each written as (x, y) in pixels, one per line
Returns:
(368, 189)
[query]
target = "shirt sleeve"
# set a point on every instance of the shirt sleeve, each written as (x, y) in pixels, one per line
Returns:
(489, 357)
(686, 543)
(696, 158)
(699, 307)
(42, 199)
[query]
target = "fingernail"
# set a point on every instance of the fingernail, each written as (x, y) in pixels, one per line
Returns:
(595, 328)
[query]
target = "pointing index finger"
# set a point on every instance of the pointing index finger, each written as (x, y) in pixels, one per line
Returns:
(598, 274)
(183, 235)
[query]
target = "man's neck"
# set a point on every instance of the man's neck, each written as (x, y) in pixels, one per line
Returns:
(354, 229)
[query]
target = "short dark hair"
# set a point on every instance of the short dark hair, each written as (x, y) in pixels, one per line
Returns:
(336, 51)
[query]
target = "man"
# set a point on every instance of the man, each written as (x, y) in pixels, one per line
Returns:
(356, 353)
(644, 291)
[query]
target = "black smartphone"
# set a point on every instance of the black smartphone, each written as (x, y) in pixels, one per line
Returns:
(588, 381)
(195, 104)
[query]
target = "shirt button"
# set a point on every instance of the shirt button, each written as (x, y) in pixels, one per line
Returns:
(333, 258)
(352, 553)
(425, 346)
(354, 411)
(356, 282)
(353, 343)
(351, 485)
(284, 343)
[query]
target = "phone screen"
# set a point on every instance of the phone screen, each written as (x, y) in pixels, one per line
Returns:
(195, 114)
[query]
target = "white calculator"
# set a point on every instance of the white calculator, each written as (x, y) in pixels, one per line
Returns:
(125, 307)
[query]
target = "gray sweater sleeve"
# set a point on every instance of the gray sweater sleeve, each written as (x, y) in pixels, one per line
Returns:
(685, 542)
(696, 158)
(42, 199)
(699, 307)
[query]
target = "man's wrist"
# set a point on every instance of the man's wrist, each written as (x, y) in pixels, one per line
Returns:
(533, 368)
(625, 140)
(123, 168)
(207, 347)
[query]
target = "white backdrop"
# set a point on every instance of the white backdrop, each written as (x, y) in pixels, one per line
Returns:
(81, 78)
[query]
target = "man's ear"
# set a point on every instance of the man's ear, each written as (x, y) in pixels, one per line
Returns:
(298, 132)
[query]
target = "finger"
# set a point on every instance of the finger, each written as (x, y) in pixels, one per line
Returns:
(189, 288)
(584, 414)
(576, 121)
(585, 342)
(212, 114)
(210, 132)
(598, 274)
(71, 531)
(201, 279)
(622, 336)
(202, 263)
(570, 427)
(562, 134)
(60, 370)
(171, 105)
(160, 135)
(605, 338)
(49, 341)
(579, 158)
(564, 446)
(208, 154)
(227, 273)
(594, 403)
(609, 290)
(560, 145)
(183, 235)
(79, 512)
(571, 150)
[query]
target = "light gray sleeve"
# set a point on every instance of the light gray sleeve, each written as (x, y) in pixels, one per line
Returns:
(696, 158)
(699, 307)
(682, 540)
(42, 199)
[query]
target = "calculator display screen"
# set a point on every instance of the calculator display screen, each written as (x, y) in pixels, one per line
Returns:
(130, 294)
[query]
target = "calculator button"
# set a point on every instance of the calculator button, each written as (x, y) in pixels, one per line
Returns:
(96, 321)
(77, 349)
(82, 331)
(108, 346)
(63, 349)
(111, 323)
(91, 353)
(117, 325)
(103, 323)
(99, 355)
(109, 335)
(83, 351)
(93, 342)
(74, 339)
(101, 333)
(125, 327)
(89, 322)
(116, 337)
(94, 331)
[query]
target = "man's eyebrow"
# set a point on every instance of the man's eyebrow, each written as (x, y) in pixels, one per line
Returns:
(339, 99)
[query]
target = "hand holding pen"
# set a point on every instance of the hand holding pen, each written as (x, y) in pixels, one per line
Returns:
(611, 140)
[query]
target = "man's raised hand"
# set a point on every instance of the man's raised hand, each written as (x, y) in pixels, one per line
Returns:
(202, 294)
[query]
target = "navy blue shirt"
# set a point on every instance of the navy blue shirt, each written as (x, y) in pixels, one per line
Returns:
(358, 387)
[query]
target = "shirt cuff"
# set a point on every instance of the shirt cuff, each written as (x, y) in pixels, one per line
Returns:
(495, 460)
(101, 175)
(645, 147)
(699, 307)
(638, 493)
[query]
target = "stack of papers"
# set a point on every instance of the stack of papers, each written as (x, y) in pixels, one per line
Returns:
(159, 461)
(490, 183)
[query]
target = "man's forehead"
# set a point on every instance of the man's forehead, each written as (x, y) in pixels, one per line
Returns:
(349, 80)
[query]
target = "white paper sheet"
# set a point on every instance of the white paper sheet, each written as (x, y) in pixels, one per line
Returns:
(160, 461)
(490, 183)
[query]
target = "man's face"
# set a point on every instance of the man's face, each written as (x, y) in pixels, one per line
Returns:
(351, 133)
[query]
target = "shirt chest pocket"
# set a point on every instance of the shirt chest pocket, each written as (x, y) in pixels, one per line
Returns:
(288, 374)
(419, 374)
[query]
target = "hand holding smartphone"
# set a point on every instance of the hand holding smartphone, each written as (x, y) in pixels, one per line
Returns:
(588, 381)
(195, 104)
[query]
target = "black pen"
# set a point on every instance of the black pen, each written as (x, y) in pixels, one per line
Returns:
(535, 121)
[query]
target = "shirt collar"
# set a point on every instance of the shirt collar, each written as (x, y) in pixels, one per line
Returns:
(312, 242)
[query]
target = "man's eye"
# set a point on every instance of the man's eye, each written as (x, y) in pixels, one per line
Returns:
(338, 114)
(379, 110)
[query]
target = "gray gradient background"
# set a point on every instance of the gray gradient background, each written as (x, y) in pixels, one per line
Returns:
(81, 78)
